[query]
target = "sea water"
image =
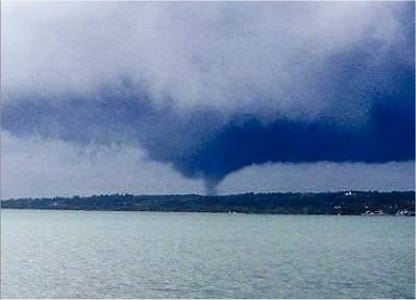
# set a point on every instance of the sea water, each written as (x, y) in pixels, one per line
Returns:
(80, 254)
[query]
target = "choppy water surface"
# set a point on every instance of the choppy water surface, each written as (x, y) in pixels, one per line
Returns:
(74, 254)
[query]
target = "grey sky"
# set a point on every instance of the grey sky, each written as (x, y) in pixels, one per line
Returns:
(306, 62)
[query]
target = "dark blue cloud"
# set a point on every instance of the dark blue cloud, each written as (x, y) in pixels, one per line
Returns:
(201, 145)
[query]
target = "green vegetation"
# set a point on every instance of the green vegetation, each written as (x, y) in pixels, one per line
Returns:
(339, 203)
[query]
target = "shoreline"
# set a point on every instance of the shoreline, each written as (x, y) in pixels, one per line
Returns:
(337, 203)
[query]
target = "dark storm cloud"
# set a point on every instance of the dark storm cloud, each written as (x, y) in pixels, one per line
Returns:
(225, 87)
(202, 145)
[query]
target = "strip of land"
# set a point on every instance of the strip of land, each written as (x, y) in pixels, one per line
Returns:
(339, 203)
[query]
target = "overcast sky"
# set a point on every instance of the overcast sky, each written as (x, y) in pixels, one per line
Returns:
(158, 97)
